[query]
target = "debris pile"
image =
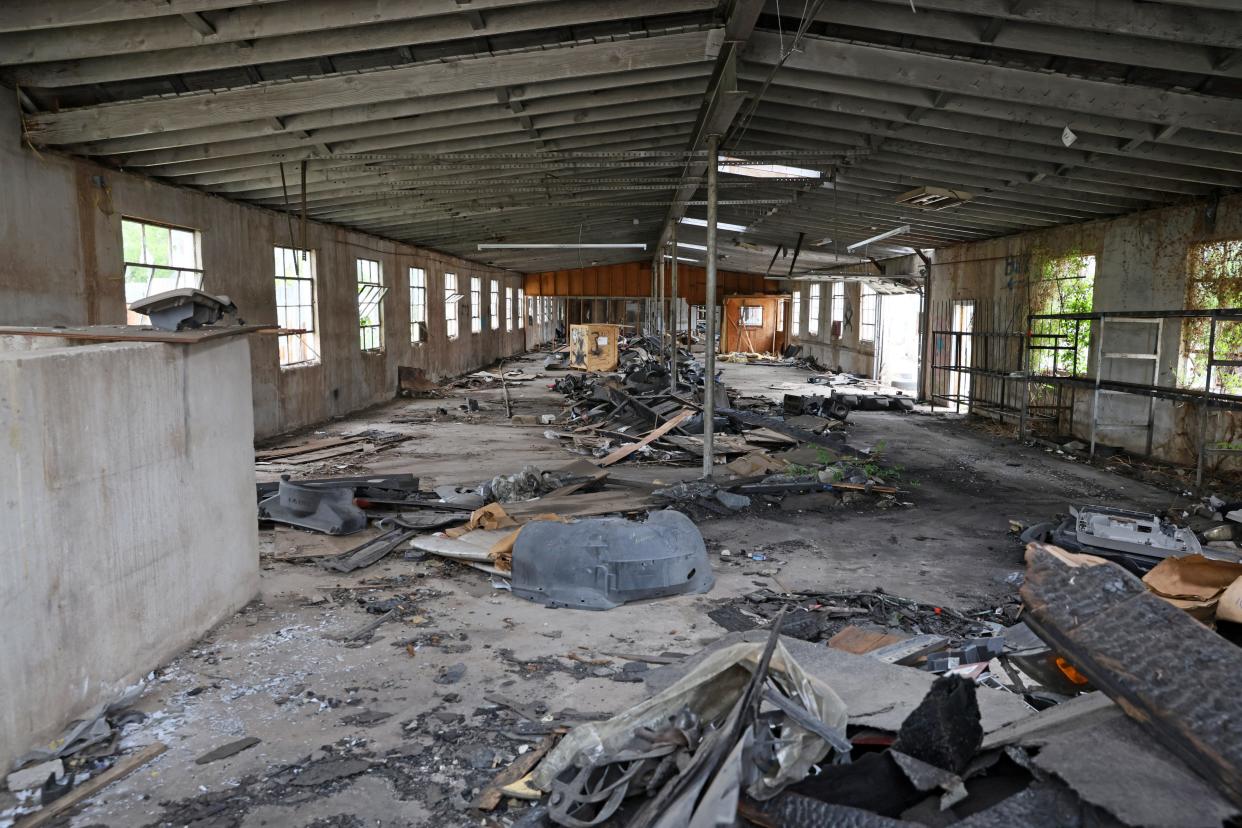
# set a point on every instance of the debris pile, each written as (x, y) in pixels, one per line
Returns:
(761, 728)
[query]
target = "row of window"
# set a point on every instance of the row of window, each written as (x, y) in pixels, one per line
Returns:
(866, 311)
(295, 305)
(159, 258)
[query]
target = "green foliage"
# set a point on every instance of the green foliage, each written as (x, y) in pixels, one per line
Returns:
(1065, 285)
(1215, 281)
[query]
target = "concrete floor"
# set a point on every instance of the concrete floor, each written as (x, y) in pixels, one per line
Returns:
(275, 672)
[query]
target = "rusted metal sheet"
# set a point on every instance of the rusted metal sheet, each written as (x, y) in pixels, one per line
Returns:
(1162, 667)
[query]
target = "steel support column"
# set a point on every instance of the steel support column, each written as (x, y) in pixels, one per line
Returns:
(709, 354)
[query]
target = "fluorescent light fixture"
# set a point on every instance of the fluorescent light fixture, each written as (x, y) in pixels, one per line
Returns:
(720, 225)
(824, 242)
(934, 198)
(668, 258)
(690, 246)
(739, 166)
(887, 234)
(635, 246)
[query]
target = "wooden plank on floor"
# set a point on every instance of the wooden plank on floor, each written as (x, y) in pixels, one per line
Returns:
(582, 505)
(859, 641)
(136, 333)
(629, 448)
(313, 445)
(1163, 668)
(123, 768)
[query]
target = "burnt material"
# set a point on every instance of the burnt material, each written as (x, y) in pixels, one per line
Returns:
(873, 782)
(944, 729)
(1161, 666)
(792, 810)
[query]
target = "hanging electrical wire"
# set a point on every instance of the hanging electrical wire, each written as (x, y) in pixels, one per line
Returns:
(809, 12)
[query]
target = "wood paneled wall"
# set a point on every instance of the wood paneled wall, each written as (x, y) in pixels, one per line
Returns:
(633, 279)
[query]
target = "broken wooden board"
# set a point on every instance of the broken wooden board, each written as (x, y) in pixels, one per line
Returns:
(489, 797)
(123, 768)
(582, 505)
(629, 448)
(314, 445)
(137, 333)
(859, 641)
(768, 437)
(1166, 670)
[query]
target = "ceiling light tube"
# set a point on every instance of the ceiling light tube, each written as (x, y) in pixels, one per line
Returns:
(720, 225)
(690, 246)
(896, 231)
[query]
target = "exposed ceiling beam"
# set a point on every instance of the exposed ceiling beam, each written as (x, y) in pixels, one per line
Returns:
(339, 40)
(1124, 17)
(533, 95)
(957, 76)
(721, 103)
(1015, 113)
(247, 23)
(27, 15)
(281, 99)
(1022, 36)
(860, 113)
(382, 135)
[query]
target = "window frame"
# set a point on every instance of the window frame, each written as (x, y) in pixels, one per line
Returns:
(814, 301)
(521, 308)
(418, 304)
(476, 304)
(868, 317)
(795, 315)
(746, 323)
(452, 306)
(508, 308)
(836, 302)
(373, 283)
(308, 339)
(197, 271)
(493, 304)
(1211, 286)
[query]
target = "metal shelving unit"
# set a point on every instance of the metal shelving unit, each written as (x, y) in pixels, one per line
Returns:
(1077, 378)
(997, 365)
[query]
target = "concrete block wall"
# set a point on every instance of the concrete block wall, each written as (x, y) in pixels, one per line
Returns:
(127, 518)
(61, 264)
(1141, 264)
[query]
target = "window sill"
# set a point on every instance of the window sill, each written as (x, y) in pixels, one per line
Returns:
(298, 366)
(373, 351)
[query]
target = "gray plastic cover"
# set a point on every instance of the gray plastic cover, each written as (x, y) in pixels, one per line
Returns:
(175, 310)
(601, 563)
(1127, 531)
(331, 511)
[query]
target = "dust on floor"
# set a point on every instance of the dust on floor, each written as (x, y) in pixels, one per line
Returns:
(381, 734)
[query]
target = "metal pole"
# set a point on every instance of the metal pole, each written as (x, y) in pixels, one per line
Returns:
(672, 328)
(659, 306)
(1203, 404)
(1099, 376)
(709, 356)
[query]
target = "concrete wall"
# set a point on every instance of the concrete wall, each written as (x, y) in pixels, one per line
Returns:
(1141, 264)
(60, 263)
(127, 525)
(847, 352)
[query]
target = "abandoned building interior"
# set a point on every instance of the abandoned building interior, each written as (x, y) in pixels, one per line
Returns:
(651, 413)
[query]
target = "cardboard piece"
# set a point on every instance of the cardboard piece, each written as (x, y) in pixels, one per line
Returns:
(1194, 583)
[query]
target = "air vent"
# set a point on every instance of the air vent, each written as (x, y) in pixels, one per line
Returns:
(934, 198)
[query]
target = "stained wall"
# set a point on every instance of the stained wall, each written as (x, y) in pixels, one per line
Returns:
(60, 234)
